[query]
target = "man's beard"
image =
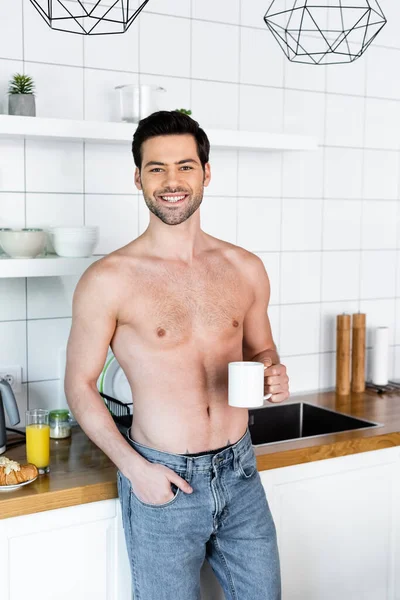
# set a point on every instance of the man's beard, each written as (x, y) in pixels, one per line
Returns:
(171, 216)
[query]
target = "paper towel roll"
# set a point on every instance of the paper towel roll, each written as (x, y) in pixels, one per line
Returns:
(380, 356)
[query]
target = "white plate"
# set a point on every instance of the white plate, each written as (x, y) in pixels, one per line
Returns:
(9, 488)
(113, 381)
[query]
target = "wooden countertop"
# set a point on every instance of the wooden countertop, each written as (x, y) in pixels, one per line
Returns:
(81, 472)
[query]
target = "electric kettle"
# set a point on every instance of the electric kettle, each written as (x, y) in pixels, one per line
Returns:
(7, 400)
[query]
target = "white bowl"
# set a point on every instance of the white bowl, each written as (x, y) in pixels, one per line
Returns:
(22, 244)
(74, 249)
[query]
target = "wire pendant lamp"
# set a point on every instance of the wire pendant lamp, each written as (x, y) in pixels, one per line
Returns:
(321, 33)
(94, 17)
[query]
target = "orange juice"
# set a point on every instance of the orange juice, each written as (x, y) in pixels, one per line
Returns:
(38, 444)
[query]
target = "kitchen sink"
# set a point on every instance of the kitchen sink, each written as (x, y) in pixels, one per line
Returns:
(299, 420)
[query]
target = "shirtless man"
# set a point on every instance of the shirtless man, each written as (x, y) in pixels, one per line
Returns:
(176, 305)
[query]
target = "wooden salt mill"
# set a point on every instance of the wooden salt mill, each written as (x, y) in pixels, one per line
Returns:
(358, 353)
(343, 354)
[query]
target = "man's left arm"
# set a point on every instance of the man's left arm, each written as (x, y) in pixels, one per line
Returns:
(258, 343)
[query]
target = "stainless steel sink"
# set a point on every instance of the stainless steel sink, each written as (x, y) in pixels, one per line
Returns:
(299, 420)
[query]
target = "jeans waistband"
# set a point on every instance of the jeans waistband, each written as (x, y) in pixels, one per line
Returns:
(199, 463)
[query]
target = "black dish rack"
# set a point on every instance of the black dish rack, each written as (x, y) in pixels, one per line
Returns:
(119, 411)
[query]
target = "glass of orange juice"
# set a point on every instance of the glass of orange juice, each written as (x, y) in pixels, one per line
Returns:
(38, 439)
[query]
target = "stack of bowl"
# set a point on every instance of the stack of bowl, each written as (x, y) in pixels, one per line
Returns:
(74, 241)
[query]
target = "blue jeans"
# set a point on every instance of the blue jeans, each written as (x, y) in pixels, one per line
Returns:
(226, 520)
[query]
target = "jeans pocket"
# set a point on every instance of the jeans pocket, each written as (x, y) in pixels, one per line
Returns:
(247, 463)
(174, 488)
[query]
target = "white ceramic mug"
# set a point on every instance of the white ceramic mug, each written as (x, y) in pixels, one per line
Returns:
(246, 384)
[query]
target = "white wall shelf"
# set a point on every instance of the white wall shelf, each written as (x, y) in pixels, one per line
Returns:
(50, 265)
(113, 132)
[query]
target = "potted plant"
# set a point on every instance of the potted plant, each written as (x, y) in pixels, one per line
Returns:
(21, 100)
(184, 111)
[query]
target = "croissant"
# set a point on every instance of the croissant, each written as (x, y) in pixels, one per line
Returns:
(11, 472)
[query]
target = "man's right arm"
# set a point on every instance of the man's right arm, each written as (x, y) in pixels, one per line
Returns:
(94, 319)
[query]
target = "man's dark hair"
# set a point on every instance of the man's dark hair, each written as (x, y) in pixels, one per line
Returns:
(173, 122)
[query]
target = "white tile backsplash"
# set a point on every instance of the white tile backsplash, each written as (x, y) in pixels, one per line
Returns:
(11, 44)
(258, 227)
(379, 225)
(50, 297)
(378, 274)
(342, 224)
(344, 120)
(300, 325)
(259, 174)
(303, 174)
(13, 342)
(304, 113)
(117, 174)
(267, 67)
(12, 209)
(301, 224)
(54, 210)
(325, 223)
(226, 11)
(381, 175)
(45, 45)
(45, 338)
(218, 217)
(113, 52)
(214, 104)
(164, 45)
(12, 299)
(224, 173)
(54, 166)
(343, 172)
(340, 275)
(347, 79)
(303, 372)
(261, 109)
(216, 60)
(300, 277)
(382, 124)
(115, 216)
(12, 178)
(59, 90)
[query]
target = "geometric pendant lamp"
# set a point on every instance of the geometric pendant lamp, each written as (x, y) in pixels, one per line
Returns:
(89, 17)
(324, 32)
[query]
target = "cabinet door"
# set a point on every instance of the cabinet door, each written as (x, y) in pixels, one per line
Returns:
(337, 525)
(62, 554)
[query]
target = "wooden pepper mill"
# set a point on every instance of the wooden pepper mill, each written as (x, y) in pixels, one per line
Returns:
(343, 354)
(358, 353)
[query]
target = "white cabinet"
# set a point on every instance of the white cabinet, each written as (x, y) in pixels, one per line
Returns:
(66, 553)
(338, 528)
(337, 520)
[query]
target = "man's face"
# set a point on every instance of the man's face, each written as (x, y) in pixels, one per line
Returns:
(171, 169)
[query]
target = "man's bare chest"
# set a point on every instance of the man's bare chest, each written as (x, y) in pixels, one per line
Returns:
(173, 307)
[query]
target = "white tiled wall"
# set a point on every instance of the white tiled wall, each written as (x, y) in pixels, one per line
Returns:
(325, 223)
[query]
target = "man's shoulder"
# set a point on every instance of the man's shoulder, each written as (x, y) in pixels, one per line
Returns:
(241, 256)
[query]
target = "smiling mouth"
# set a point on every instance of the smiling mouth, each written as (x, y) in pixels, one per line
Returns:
(173, 199)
